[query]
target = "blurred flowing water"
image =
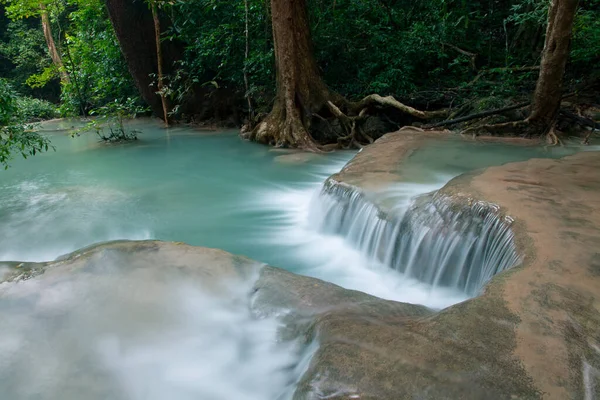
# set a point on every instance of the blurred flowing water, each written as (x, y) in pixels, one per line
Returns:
(202, 188)
(432, 239)
(126, 326)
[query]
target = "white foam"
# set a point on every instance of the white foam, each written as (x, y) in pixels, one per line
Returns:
(331, 257)
(132, 337)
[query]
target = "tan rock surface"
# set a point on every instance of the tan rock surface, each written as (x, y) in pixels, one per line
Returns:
(556, 292)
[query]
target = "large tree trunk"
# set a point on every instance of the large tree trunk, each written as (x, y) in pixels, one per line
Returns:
(135, 30)
(300, 90)
(54, 54)
(547, 95)
(306, 114)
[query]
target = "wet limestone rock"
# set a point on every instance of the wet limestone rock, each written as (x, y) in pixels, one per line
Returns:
(554, 295)
(378, 165)
(533, 333)
(211, 265)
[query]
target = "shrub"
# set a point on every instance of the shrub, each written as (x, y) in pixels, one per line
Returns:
(16, 137)
(33, 110)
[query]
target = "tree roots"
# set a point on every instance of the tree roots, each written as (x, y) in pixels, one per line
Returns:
(523, 128)
(281, 129)
(355, 136)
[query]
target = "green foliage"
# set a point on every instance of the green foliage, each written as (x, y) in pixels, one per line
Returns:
(529, 12)
(457, 49)
(40, 80)
(396, 47)
(215, 55)
(88, 47)
(386, 47)
(586, 36)
(94, 61)
(16, 137)
(20, 9)
(32, 109)
(25, 48)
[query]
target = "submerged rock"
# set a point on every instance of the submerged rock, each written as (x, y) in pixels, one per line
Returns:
(295, 158)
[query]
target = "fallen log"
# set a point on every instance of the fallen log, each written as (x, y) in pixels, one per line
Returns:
(582, 120)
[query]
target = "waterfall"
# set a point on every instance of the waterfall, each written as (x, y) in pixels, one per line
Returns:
(433, 239)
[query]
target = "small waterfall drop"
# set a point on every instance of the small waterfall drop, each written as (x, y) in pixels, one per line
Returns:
(431, 239)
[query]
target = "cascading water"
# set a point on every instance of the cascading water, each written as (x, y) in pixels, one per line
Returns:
(432, 239)
(125, 326)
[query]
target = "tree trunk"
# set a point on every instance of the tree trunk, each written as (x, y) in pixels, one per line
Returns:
(54, 54)
(300, 90)
(135, 30)
(159, 61)
(246, 56)
(547, 95)
(306, 114)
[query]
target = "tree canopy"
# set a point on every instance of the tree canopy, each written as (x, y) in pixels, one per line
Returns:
(218, 58)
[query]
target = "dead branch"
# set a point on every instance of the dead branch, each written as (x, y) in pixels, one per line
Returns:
(478, 115)
(507, 127)
(484, 72)
(472, 56)
(489, 113)
(461, 110)
(389, 101)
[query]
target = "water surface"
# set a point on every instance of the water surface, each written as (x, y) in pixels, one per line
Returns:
(212, 189)
(116, 333)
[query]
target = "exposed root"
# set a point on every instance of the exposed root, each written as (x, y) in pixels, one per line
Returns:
(321, 118)
(552, 138)
(289, 125)
(504, 128)
(344, 119)
(369, 138)
(350, 125)
(586, 140)
(354, 135)
(279, 131)
(516, 128)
